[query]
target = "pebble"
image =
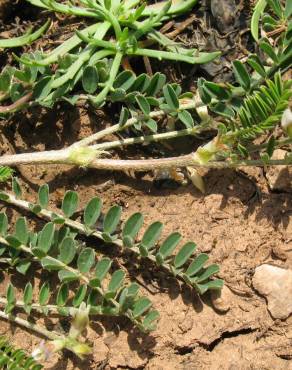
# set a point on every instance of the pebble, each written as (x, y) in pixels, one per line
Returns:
(275, 284)
(221, 299)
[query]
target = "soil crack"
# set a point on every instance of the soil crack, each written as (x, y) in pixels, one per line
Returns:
(210, 347)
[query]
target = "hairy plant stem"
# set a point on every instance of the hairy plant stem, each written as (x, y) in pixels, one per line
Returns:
(52, 335)
(20, 103)
(189, 160)
(184, 104)
(149, 138)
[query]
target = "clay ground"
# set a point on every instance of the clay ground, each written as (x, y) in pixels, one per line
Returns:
(239, 222)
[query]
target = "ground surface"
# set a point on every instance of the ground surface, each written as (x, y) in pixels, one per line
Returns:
(239, 222)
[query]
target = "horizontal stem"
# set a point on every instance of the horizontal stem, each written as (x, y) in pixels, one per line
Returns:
(188, 160)
(184, 104)
(149, 138)
(52, 335)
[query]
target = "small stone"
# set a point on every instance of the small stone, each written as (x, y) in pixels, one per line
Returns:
(279, 253)
(221, 299)
(279, 177)
(275, 284)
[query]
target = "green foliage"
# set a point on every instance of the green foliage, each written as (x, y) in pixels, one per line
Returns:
(15, 359)
(123, 29)
(124, 236)
(84, 276)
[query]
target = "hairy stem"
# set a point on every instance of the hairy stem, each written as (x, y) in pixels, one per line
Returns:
(16, 105)
(149, 138)
(184, 104)
(31, 326)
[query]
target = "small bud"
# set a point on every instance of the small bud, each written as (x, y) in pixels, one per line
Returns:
(84, 156)
(286, 122)
(208, 152)
(80, 320)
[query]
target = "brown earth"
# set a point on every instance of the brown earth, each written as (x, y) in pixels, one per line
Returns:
(239, 222)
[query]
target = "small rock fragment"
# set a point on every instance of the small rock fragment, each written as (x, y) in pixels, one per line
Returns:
(275, 284)
(221, 299)
(224, 12)
(280, 177)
